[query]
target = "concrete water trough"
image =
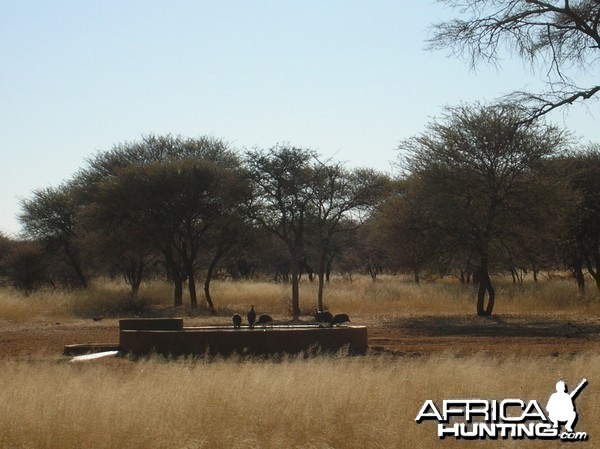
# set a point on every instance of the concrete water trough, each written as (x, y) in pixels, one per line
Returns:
(168, 336)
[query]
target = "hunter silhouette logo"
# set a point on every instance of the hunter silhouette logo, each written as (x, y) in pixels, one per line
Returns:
(561, 407)
(510, 418)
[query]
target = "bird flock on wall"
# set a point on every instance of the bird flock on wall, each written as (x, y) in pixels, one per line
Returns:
(321, 317)
(327, 318)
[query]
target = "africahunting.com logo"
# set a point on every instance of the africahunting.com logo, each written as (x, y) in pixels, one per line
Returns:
(507, 419)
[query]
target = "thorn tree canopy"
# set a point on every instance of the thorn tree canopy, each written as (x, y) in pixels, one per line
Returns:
(479, 177)
(561, 35)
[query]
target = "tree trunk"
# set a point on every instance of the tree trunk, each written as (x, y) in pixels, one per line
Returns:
(178, 290)
(372, 271)
(328, 270)
(578, 274)
(593, 266)
(137, 279)
(596, 276)
(309, 270)
(174, 275)
(485, 287)
(207, 296)
(295, 273)
(321, 277)
(74, 261)
(178, 286)
(192, 290)
(209, 275)
(133, 273)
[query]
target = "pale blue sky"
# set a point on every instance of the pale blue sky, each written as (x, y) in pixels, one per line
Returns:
(350, 79)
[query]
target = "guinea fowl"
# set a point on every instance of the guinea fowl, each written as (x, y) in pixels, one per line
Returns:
(264, 319)
(237, 320)
(340, 318)
(251, 317)
(323, 316)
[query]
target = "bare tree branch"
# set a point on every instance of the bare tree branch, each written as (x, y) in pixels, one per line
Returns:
(536, 106)
(559, 34)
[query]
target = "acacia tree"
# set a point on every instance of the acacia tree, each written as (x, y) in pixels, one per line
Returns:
(26, 266)
(174, 204)
(150, 149)
(283, 182)
(162, 193)
(339, 197)
(402, 231)
(120, 248)
(230, 231)
(479, 177)
(563, 35)
(300, 198)
(584, 223)
(5, 244)
(51, 216)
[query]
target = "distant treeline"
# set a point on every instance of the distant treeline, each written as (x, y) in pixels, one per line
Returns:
(480, 191)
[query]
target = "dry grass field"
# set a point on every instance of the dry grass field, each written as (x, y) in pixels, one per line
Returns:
(425, 344)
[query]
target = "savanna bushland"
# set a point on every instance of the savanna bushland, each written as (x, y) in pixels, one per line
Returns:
(424, 344)
(474, 267)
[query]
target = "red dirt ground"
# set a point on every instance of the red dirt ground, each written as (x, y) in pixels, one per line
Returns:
(404, 336)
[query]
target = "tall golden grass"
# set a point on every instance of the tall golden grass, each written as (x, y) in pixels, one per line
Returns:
(361, 402)
(388, 297)
(15, 306)
(316, 402)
